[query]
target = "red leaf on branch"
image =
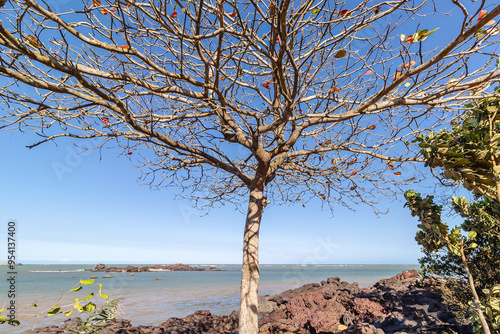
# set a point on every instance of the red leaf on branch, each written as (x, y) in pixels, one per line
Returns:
(105, 120)
(482, 14)
(173, 15)
(352, 162)
(266, 84)
(353, 173)
(33, 41)
(124, 47)
(368, 72)
(409, 64)
(477, 87)
(233, 14)
(397, 173)
(129, 153)
(397, 75)
(104, 11)
(334, 90)
(345, 12)
(409, 39)
(391, 167)
(372, 127)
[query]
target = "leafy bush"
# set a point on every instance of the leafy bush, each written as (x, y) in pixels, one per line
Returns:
(94, 316)
(469, 155)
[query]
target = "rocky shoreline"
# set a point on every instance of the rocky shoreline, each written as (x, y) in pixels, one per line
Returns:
(401, 304)
(157, 267)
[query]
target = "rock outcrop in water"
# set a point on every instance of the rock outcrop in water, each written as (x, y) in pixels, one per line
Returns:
(156, 267)
(401, 304)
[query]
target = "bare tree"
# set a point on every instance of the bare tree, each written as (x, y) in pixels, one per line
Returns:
(282, 101)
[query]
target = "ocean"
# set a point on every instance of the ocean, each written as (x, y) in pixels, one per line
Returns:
(149, 298)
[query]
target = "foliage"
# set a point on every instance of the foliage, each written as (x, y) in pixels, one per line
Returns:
(434, 235)
(469, 154)
(491, 310)
(457, 296)
(94, 316)
(5, 320)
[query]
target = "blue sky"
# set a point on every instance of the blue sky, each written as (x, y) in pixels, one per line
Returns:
(98, 212)
(95, 211)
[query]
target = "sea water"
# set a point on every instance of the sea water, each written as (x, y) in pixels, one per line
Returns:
(149, 298)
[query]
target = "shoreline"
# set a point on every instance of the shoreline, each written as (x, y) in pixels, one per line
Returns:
(398, 304)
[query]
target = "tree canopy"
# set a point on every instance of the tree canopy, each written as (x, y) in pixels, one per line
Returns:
(283, 101)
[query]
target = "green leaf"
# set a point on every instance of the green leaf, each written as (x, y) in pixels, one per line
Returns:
(76, 305)
(87, 282)
(55, 309)
(100, 293)
(496, 289)
(315, 11)
(495, 304)
(488, 312)
(497, 324)
(454, 250)
(13, 322)
(473, 245)
(472, 234)
(89, 307)
(76, 289)
(421, 35)
(89, 296)
(67, 313)
(341, 54)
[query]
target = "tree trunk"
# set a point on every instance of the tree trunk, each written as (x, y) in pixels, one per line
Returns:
(477, 303)
(249, 321)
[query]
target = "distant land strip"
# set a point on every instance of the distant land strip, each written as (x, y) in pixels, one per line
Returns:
(156, 267)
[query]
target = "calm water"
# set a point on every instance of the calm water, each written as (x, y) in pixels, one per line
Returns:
(148, 301)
